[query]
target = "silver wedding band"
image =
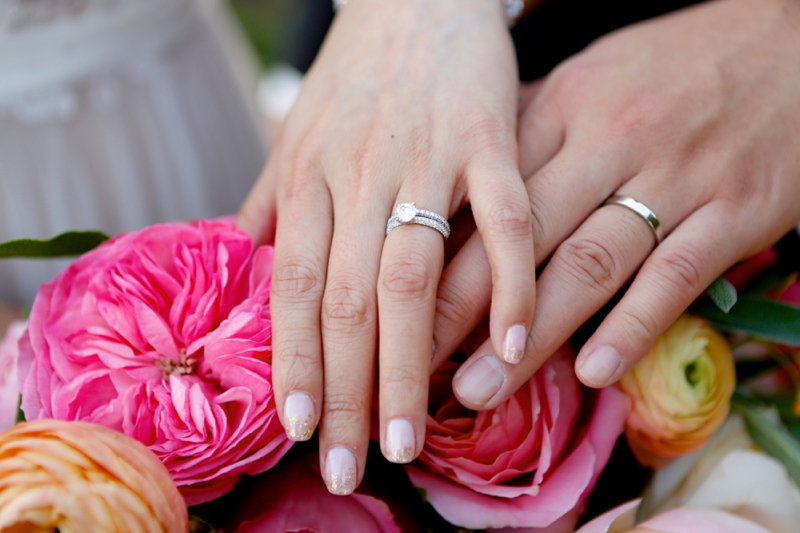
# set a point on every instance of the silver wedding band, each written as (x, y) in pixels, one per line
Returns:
(409, 214)
(642, 210)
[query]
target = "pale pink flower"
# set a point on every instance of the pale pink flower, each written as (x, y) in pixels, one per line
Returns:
(681, 520)
(165, 335)
(9, 386)
(531, 462)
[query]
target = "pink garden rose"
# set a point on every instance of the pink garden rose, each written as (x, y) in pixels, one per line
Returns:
(164, 334)
(531, 462)
(293, 497)
(9, 386)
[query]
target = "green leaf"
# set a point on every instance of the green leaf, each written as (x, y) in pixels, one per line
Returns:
(67, 244)
(772, 438)
(20, 414)
(723, 294)
(423, 494)
(758, 316)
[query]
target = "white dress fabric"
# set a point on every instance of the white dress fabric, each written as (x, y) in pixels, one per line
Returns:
(116, 114)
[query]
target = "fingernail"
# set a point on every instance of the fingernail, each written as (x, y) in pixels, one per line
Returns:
(514, 344)
(340, 471)
(400, 441)
(298, 416)
(480, 382)
(600, 366)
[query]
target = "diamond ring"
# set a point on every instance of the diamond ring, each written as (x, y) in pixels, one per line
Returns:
(409, 214)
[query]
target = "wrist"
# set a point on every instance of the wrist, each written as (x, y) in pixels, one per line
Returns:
(513, 10)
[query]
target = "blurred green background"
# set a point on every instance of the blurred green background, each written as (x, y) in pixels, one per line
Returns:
(271, 26)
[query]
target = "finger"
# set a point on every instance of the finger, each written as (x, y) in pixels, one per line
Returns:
(411, 265)
(465, 289)
(503, 216)
(677, 272)
(588, 268)
(349, 336)
(583, 275)
(301, 249)
(258, 214)
(541, 132)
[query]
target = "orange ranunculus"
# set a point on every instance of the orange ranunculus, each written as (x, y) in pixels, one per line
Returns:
(681, 392)
(76, 477)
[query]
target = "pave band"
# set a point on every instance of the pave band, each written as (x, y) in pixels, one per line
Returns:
(409, 214)
(642, 210)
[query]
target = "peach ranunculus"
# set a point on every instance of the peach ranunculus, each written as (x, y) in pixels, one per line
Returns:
(164, 335)
(293, 497)
(9, 386)
(76, 477)
(681, 392)
(531, 462)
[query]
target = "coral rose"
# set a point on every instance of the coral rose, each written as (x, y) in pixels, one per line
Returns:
(164, 335)
(293, 497)
(9, 386)
(75, 477)
(531, 462)
(681, 392)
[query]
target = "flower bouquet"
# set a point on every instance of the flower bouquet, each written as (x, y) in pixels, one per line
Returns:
(144, 374)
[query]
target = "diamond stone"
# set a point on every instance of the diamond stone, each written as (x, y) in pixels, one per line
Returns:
(405, 212)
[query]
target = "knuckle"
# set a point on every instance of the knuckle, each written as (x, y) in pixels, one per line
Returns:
(345, 408)
(346, 305)
(403, 378)
(679, 267)
(296, 279)
(511, 219)
(296, 362)
(540, 217)
(487, 130)
(408, 276)
(590, 262)
(640, 326)
(455, 306)
(568, 79)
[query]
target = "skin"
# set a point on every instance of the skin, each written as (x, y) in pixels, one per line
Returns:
(695, 114)
(387, 115)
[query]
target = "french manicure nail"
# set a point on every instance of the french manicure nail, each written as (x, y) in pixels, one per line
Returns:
(481, 381)
(600, 366)
(340, 471)
(299, 416)
(400, 441)
(514, 344)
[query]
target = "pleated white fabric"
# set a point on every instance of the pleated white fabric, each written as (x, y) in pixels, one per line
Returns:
(122, 114)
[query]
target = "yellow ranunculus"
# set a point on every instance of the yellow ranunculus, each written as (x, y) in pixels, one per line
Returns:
(681, 392)
(75, 477)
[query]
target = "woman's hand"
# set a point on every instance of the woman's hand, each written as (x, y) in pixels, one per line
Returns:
(696, 115)
(407, 102)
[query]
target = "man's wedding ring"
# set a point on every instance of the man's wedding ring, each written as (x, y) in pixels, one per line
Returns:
(642, 210)
(409, 214)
